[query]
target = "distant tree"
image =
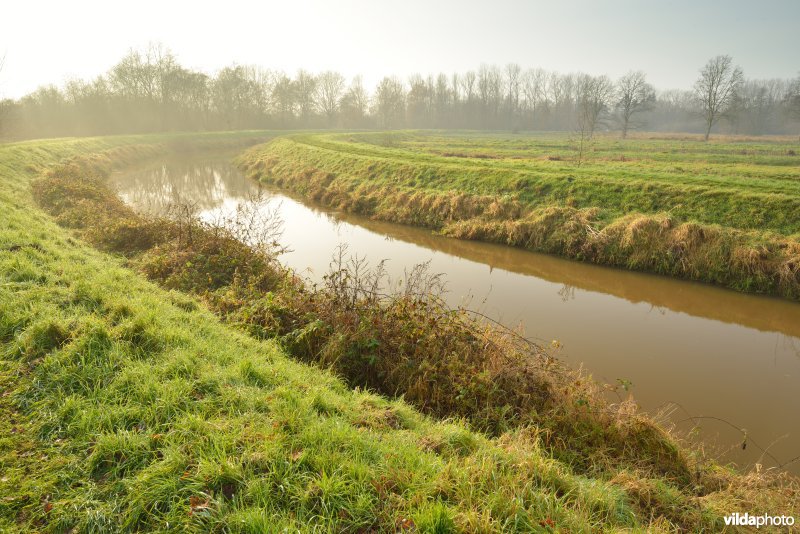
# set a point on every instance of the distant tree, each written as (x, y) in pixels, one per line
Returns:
(330, 87)
(513, 82)
(594, 97)
(495, 83)
(419, 102)
(305, 92)
(533, 87)
(389, 105)
(794, 94)
(468, 92)
(442, 101)
(354, 105)
(146, 81)
(148, 90)
(283, 99)
(262, 81)
(490, 94)
(633, 96)
(468, 85)
(46, 113)
(455, 102)
(675, 110)
(792, 99)
(563, 93)
(716, 89)
(594, 94)
(195, 102)
(758, 103)
(90, 103)
(232, 96)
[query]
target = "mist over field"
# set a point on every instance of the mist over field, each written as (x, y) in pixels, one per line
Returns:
(515, 66)
(365, 267)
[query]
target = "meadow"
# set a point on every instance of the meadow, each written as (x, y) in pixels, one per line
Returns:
(159, 375)
(725, 212)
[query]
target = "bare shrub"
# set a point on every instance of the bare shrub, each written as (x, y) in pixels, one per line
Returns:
(255, 222)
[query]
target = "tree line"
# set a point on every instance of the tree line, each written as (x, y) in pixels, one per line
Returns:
(149, 91)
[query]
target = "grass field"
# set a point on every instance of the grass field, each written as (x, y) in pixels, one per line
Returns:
(722, 212)
(129, 407)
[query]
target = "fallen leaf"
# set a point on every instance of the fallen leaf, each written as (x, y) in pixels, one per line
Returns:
(406, 523)
(197, 503)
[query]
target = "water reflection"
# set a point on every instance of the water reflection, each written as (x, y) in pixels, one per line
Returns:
(205, 184)
(722, 355)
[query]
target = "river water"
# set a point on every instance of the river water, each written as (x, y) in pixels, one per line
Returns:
(713, 359)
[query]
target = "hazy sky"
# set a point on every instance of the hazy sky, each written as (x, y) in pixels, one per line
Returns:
(51, 41)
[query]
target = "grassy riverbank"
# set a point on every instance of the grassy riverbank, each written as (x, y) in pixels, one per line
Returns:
(127, 405)
(726, 213)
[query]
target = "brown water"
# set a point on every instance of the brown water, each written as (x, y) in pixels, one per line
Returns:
(692, 349)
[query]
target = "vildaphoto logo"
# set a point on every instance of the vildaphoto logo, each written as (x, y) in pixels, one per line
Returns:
(758, 521)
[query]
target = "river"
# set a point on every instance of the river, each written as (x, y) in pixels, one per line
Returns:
(708, 358)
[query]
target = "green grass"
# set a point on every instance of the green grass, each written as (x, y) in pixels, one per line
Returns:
(128, 407)
(726, 213)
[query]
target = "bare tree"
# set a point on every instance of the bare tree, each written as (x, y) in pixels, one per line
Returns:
(490, 93)
(441, 101)
(634, 95)
(594, 97)
(455, 94)
(331, 85)
(148, 79)
(419, 102)
(717, 88)
(149, 90)
(263, 81)
(233, 94)
(533, 84)
(354, 104)
(758, 104)
(495, 81)
(594, 93)
(283, 99)
(793, 98)
(305, 90)
(468, 90)
(513, 75)
(468, 85)
(562, 92)
(582, 133)
(390, 103)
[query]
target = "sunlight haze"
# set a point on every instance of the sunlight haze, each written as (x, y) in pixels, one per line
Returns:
(385, 266)
(50, 42)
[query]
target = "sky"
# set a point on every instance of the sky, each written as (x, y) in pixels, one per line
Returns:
(52, 41)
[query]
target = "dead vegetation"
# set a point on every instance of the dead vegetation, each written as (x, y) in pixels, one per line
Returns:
(745, 260)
